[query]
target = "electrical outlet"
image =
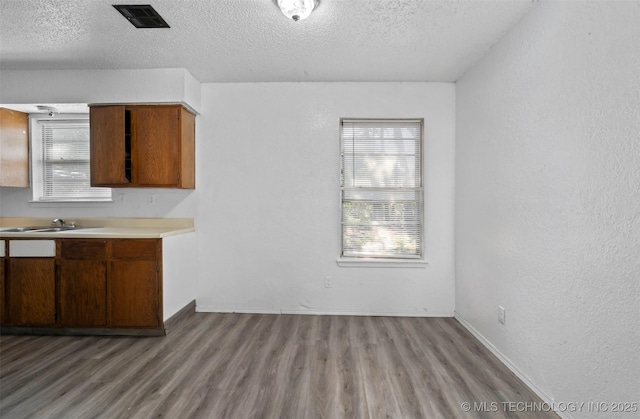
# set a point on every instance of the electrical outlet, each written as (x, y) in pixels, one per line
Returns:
(151, 199)
(501, 314)
(328, 282)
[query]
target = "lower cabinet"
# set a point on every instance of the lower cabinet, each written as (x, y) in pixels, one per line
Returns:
(134, 289)
(3, 304)
(97, 284)
(30, 283)
(83, 283)
(31, 291)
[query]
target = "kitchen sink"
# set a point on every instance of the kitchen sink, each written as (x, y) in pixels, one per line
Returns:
(22, 229)
(37, 229)
(55, 229)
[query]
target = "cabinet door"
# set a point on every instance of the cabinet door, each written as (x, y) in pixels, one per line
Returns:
(134, 283)
(156, 139)
(31, 291)
(188, 153)
(107, 138)
(3, 304)
(14, 148)
(83, 283)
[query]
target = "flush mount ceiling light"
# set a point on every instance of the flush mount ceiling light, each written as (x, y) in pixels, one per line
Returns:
(141, 15)
(297, 9)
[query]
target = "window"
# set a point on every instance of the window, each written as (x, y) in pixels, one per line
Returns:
(61, 161)
(381, 178)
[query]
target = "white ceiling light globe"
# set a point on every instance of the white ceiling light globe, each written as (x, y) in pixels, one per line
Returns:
(297, 9)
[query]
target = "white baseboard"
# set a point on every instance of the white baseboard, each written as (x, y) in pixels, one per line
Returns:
(366, 313)
(507, 362)
(316, 312)
(209, 309)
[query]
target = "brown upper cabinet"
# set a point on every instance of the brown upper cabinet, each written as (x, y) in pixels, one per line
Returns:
(14, 148)
(142, 146)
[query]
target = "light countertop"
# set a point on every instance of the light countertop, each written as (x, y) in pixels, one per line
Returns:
(90, 228)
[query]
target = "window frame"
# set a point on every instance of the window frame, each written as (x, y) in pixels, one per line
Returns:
(38, 164)
(384, 260)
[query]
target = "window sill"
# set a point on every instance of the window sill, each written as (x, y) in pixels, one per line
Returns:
(70, 203)
(381, 263)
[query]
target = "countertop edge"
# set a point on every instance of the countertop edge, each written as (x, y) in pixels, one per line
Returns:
(95, 233)
(102, 228)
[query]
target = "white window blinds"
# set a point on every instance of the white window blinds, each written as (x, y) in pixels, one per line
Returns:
(65, 162)
(381, 188)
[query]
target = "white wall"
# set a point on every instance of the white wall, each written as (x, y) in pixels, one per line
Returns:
(548, 200)
(179, 272)
(269, 210)
(267, 200)
(128, 202)
(100, 86)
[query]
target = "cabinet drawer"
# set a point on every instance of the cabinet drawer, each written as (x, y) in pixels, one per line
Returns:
(83, 249)
(32, 248)
(137, 249)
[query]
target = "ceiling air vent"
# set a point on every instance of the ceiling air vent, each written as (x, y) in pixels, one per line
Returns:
(141, 15)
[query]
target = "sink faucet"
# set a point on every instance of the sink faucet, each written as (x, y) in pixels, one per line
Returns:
(56, 221)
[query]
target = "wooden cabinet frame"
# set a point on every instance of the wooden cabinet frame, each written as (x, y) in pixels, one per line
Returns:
(142, 146)
(91, 286)
(14, 149)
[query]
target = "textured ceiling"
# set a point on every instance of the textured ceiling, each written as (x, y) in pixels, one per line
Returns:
(251, 41)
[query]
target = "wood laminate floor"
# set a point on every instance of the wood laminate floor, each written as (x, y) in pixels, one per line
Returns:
(214, 365)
